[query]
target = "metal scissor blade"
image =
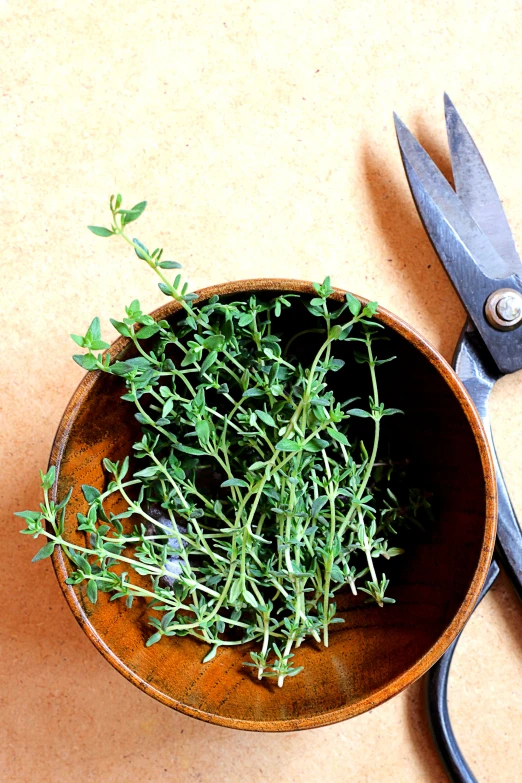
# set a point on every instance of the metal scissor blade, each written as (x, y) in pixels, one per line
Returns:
(431, 189)
(470, 260)
(476, 190)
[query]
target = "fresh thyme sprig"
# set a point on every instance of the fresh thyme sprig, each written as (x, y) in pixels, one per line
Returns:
(251, 507)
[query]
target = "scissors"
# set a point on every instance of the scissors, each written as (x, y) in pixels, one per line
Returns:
(471, 236)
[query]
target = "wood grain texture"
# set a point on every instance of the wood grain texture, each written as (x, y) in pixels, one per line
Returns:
(377, 652)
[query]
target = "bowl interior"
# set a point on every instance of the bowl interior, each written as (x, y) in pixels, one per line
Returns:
(376, 652)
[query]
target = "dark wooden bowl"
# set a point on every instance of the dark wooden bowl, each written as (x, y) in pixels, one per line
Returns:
(377, 652)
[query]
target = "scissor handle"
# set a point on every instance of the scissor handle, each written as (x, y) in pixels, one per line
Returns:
(437, 705)
(509, 534)
(474, 367)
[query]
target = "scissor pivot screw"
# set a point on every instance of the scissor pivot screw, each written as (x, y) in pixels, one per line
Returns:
(504, 309)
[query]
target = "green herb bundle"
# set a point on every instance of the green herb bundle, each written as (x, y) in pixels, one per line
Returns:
(248, 503)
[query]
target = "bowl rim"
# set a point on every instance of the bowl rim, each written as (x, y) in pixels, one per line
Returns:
(462, 615)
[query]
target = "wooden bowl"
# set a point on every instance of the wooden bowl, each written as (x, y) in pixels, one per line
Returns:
(376, 652)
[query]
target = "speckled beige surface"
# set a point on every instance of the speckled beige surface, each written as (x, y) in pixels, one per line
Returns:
(261, 134)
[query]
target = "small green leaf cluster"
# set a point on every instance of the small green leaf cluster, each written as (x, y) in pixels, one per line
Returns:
(250, 500)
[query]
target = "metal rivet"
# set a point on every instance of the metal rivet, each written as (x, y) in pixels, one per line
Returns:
(504, 309)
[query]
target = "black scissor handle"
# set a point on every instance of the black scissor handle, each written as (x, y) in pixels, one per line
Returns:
(478, 373)
(437, 705)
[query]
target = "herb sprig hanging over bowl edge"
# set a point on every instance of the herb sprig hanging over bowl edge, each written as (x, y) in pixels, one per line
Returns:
(254, 505)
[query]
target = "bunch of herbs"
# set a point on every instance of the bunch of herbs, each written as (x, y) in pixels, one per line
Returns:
(248, 502)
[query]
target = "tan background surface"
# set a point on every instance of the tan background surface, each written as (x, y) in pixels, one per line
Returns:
(261, 134)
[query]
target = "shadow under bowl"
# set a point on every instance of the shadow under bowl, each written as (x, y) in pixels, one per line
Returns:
(376, 652)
